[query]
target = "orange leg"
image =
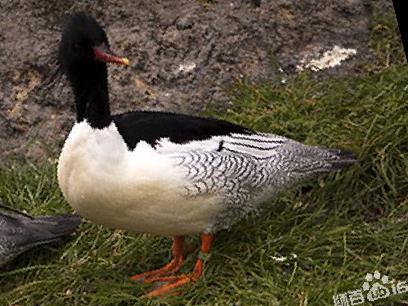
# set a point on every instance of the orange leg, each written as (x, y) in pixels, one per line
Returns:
(173, 266)
(173, 282)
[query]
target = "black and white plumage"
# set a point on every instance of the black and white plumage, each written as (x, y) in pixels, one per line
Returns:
(249, 169)
(166, 173)
(20, 232)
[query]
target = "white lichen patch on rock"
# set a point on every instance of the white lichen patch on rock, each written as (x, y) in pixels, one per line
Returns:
(329, 59)
(185, 68)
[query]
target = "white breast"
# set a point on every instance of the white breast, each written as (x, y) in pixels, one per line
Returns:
(140, 190)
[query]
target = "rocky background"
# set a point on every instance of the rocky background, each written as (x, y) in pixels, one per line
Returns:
(183, 53)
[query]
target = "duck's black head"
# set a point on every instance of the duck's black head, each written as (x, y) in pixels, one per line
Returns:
(84, 45)
(82, 56)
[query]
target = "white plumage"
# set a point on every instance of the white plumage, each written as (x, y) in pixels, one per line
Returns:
(140, 190)
(177, 189)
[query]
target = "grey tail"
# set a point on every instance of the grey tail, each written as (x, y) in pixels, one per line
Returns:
(310, 160)
(56, 226)
(340, 159)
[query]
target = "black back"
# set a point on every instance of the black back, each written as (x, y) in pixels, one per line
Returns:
(150, 126)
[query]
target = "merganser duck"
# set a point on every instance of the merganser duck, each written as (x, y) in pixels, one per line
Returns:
(20, 232)
(165, 173)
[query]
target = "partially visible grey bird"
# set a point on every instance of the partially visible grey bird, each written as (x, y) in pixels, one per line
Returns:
(20, 232)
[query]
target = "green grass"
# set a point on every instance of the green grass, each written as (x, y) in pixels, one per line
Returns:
(340, 227)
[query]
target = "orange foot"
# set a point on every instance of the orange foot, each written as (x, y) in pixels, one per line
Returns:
(174, 282)
(173, 266)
